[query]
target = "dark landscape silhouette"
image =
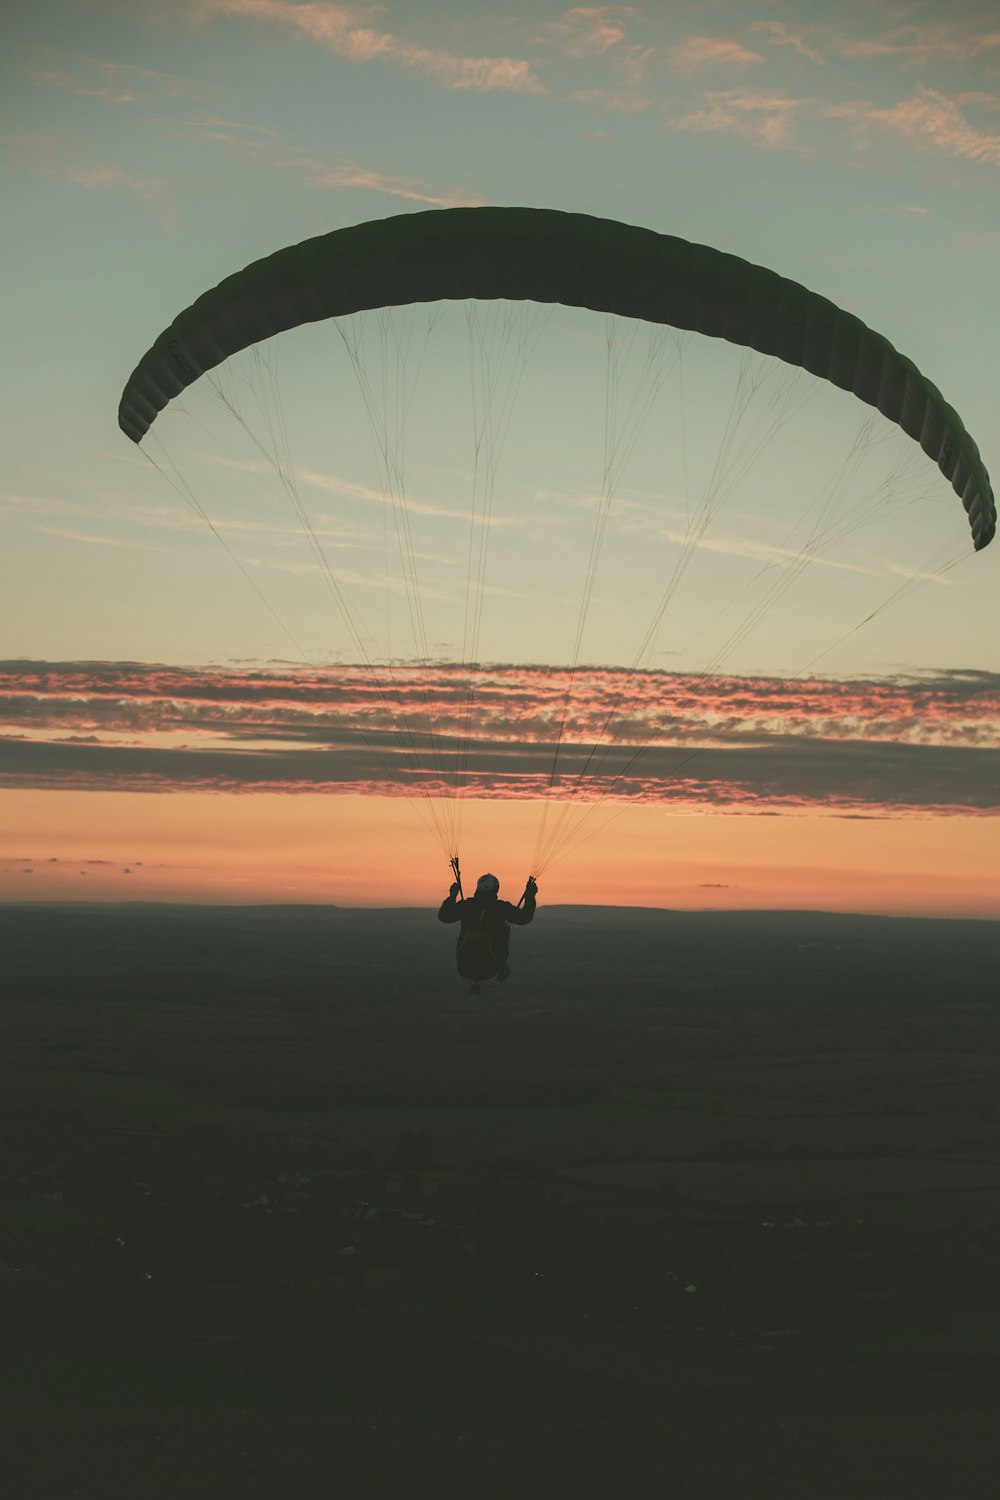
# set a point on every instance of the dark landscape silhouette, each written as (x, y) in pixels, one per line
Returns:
(695, 1203)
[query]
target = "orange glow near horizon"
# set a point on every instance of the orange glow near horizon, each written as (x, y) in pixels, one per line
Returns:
(227, 848)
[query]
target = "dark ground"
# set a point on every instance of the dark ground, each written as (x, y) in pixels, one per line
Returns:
(698, 1205)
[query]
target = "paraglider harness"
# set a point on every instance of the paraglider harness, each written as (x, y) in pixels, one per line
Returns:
(477, 955)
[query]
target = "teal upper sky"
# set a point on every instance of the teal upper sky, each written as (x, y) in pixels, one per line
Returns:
(153, 149)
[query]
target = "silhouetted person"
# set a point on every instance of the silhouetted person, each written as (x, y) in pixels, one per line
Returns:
(484, 940)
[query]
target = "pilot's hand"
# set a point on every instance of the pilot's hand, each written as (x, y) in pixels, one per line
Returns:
(532, 887)
(454, 890)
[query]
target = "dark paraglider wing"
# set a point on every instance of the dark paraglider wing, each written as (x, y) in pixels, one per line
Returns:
(546, 256)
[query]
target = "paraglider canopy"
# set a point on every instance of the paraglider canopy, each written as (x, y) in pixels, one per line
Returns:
(546, 256)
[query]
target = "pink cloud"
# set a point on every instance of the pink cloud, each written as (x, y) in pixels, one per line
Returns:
(955, 36)
(781, 34)
(283, 156)
(371, 179)
(977, 97)
(515, 702)
(919, 43)
(600, 32)
(697, 52)
(58, 157)
(913, 742)
(344, 32)
(590, 30)
(766, 121)
(929, 121)
(124, 83)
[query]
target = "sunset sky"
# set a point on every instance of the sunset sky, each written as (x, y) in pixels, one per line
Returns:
(756, 596)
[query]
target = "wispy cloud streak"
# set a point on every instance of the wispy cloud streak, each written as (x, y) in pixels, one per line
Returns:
(116, 82)
(63, 159)
(697, 52)
(789, 85)
(768, 121)
(911, 743)
(344, 31)
(268, 150)
(927, 122)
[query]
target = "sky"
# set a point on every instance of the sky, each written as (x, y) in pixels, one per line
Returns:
(234, 661)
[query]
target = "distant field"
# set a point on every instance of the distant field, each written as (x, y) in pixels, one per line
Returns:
(621, 1035)
(738, 1158)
